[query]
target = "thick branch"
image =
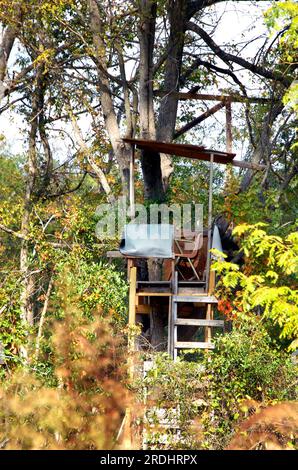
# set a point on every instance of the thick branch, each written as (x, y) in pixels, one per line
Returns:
(19, 235)
(6, 45)
(227, 57)
(199, 119)
(121, 152)
(87, 153)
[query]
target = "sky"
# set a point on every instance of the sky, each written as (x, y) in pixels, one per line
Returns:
(235, 19)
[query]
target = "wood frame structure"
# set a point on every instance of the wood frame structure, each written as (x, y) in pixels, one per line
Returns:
(197, 153)
(206, 298)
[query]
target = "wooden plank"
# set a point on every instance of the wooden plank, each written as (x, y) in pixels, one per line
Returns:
(193, 345)
(202, 299)
(191, 283)
(114, 254)
(154, 283)
(207, 97)
(199, 322)
(210, 202)
(182, 150)
(198, 120)
(190, 290)
(132, 184)
(248, 165)
(194, 152)
(132, 295)
(154, 294)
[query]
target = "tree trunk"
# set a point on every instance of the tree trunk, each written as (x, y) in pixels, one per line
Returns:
(27, 304)
(6, 45)
(121, 151)
(263, 148)
(169, 104)
(150, 161)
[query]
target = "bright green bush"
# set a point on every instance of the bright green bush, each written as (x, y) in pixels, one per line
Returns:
(99, 285)
(267, 283)
(245, 367)
(215, 394)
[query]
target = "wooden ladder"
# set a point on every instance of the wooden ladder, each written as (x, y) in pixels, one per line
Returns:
(174, 321)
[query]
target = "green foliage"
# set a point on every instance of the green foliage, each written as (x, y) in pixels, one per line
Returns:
(13, 332)
(245, 367)
(282, 18)
(267, 283)
(190, 183)
(212, 396)
(269, 205)
(99, 285)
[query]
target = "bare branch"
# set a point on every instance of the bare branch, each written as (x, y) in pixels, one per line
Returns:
(19, 235)
(227, 57)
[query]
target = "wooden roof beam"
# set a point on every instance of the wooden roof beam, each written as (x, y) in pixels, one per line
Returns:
(199, 119)
(207, 97)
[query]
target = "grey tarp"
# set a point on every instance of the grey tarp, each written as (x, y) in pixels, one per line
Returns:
(216, 240)
(147, 240)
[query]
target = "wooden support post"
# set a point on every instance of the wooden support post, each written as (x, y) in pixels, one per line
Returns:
(209, 313)
(126, 435)
(209, 221)
(229, 136)
(132, 296)
(130, 263)
(132, 184)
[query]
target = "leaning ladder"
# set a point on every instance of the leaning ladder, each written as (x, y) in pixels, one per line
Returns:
(206, 299)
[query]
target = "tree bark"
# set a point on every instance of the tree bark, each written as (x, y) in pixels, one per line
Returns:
(263, 147)
(150, 161)
(6, 46)
(169, 104)
(27, 305)
(121, 151)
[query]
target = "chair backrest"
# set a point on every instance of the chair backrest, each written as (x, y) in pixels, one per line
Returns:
(191, 244)
(195, 244)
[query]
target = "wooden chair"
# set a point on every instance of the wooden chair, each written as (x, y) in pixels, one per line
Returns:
(186, 249)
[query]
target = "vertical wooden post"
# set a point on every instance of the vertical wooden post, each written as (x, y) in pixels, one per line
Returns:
(229, 136)
(132, 183)
(130, 263)
(127, 435)
(209, 221)
(132, 296)
(209, 313)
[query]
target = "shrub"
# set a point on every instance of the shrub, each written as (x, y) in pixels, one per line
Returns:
(99, 285)
(85, 409)
(212, 396)
(267, 283)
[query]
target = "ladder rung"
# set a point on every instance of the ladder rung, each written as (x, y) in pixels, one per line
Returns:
(154, 283)
(199, 322)
(203, 299)
(191, 283)
(193, 345)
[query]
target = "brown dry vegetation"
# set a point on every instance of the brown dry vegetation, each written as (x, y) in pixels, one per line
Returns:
(272, 428)
(85, 410)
